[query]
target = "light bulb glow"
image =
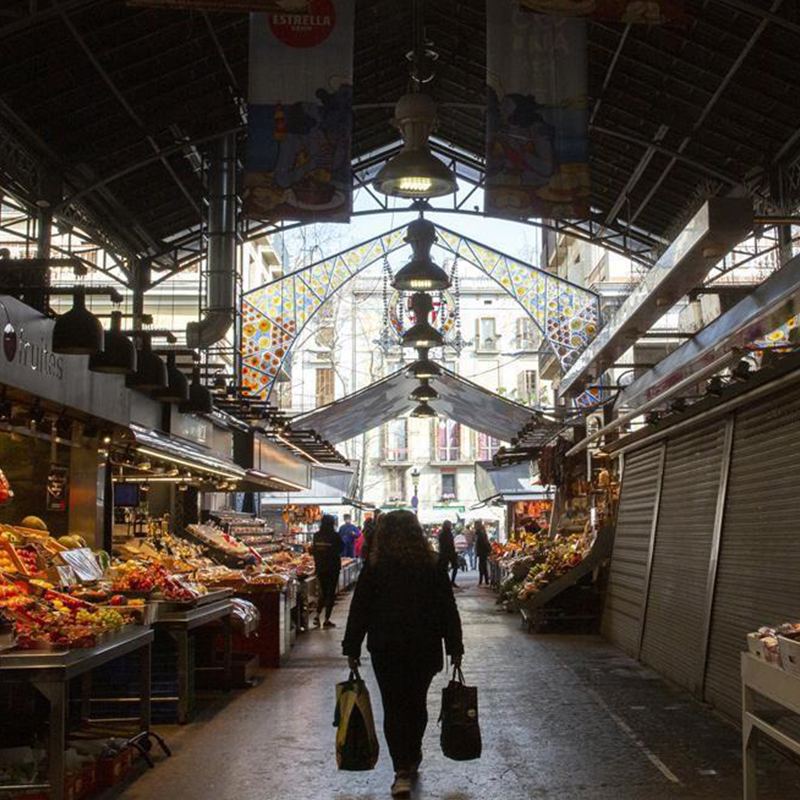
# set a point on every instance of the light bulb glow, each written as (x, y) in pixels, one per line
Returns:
(415, 184)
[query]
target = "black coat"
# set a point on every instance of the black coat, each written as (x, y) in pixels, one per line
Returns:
(447, 551)
(404, 612)
(482, 546)
(327, 549)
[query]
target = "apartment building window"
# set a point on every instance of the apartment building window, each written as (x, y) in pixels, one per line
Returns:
(396, 485)
(487, 447)
(486, 334)
(526, 334)
(448, 440)
(396, 440)
(325, 392)
(449, 486)
(527, 387)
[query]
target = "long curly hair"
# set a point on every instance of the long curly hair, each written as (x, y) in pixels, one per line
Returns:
(398, 540)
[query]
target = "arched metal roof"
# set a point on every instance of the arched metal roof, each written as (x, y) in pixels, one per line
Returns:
(121, 102)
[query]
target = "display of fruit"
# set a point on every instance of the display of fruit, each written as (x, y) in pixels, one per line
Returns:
(29, 558)
(6, 564)
(35, 523)
(6, 494)
(72, 542)
(118, 600)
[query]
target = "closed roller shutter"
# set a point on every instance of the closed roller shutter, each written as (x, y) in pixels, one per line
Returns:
(675, 618)
(759, 561)
(628, 574)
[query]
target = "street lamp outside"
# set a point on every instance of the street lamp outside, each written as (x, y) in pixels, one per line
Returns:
(415, 479)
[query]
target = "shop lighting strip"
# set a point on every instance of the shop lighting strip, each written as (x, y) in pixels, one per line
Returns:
(286, 483)
(192, 465)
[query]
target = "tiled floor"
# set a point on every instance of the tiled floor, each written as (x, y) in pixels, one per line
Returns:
(564, 717)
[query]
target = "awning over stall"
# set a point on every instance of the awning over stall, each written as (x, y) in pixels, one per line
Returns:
(330, 486)
(459, 399)
(506, 484)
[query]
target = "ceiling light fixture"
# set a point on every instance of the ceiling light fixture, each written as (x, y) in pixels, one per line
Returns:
(200, 400)
(421, 273)
(78, 332)
(119, 352)
(178, 389)
(415, 172)
(423, 411)
(422, 333)
(423, 367)
(151, 371)
(424, 392)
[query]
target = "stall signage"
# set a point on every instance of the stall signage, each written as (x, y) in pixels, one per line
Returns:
(57, 489)
(27, 362)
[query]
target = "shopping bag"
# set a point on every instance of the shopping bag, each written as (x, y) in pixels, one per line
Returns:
(356, 741)
(461, 733)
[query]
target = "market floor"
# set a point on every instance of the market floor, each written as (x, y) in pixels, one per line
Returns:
(564, 717)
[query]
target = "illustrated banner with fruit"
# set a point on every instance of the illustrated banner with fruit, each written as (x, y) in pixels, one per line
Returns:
(537, 122)
(300, 114)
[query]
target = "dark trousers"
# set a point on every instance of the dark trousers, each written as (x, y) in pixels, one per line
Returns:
(453, 574)
(483, 569)
(328, 583)
(404, 685)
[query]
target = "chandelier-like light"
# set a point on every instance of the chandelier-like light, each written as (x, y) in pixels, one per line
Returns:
(78, 332)
(151, 371)
(415, 171)
(119, 352)
(424, 392)
(421, 273)
(422, 333)
(423, 367)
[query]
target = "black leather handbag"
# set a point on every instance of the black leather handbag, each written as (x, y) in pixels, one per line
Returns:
(461, 732)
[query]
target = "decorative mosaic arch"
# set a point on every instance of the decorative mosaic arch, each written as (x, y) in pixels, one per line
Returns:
(275, 314)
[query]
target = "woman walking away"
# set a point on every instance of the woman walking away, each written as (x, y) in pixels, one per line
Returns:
(448, 558)
(404, 606)
(327, 550)
(482, 550)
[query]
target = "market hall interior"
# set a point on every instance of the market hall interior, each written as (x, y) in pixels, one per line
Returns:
(562, 718)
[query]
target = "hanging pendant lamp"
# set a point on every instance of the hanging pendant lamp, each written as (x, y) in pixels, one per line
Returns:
(424, 392)
(78, 332)
(415, 171)
(119, 352)
(421, 273)
(151, 371)
(423, 367)
(423, 411)
(177, 390)
(200, 399)
(422, 333)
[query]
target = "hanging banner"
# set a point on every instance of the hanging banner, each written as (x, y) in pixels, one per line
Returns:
(635, 12)
(296, 6)
(300, 114)
(537, 119)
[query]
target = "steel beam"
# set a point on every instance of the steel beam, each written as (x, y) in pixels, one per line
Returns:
(766, 308)
(716, 228)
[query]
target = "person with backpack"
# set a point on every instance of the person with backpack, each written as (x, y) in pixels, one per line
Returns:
(327, 547)
(403, 605)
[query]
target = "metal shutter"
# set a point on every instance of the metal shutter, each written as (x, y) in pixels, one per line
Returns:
(759, 558)
(629, 561)
(675, 620)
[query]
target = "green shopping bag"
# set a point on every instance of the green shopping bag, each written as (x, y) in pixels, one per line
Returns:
(356, 741)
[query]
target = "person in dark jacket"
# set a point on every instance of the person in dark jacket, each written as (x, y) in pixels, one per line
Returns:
(327, 549)
(403, 604)
(367, 534)
(483, 550)
(448, 558)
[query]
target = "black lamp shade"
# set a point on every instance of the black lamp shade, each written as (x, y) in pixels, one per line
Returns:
(178, 389)
(421, 273)
(423, 411)
(151, 371)
(200, 399)
(422, 333)
(424, 392)
(423, 367)
(119, 352)
(78, 332)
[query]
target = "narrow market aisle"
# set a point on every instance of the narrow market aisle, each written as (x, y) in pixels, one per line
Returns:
(563, 717)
